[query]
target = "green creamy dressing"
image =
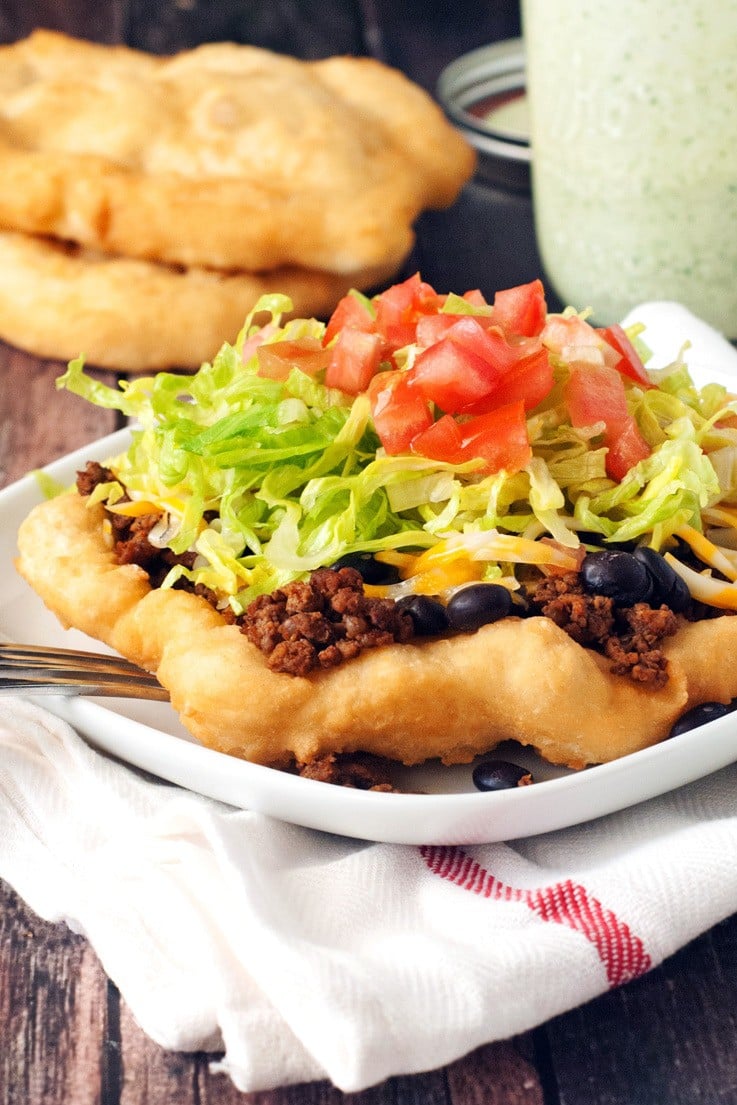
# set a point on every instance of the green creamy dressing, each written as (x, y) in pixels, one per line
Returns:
(633, 122)
(510, 117)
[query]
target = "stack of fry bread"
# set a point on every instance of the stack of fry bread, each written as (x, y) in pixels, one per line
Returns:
(147, 202)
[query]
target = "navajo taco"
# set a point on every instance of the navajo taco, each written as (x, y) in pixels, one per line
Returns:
(429, 525)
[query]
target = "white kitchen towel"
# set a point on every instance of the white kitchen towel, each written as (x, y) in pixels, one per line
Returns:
(302, 955)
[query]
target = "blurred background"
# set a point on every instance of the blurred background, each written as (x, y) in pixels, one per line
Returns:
(418, 38)
(487, 239)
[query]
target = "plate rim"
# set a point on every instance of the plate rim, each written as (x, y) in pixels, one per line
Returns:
(468, 817)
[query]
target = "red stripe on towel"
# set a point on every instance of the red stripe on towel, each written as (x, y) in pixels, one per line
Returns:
(564, 903)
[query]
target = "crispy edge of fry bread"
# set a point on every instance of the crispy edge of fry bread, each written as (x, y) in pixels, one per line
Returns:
(226, 156)
(447, 698)
(57, 301)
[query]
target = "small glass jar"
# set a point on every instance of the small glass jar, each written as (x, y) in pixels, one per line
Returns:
(487, 239)
(633, 117)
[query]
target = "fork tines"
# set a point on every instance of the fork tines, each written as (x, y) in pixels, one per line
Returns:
(39, 669)
(76, 659)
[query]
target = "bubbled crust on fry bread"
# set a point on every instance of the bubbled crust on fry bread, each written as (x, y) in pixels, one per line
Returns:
(225, 156)
(449, 698)
(57, 301)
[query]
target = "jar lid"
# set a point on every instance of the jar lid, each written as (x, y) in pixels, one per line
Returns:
(483, 93)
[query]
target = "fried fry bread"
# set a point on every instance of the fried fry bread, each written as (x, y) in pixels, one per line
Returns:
(226, 156)
(409, 702)
(58, 301)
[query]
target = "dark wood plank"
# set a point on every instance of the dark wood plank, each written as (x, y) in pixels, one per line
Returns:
(37, 422)
(420, 37)
(53, 995)
(668, 1037)
(147, 1072)
(66, 1034)
(421, 1089)
(217, 1090)
(304, 28)
(498, 1074)
(52, 1011)
(103, 22)
(151, 1074)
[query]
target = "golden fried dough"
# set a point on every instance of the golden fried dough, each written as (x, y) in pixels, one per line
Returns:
(225, 156)
(408, 702)
(58, 301)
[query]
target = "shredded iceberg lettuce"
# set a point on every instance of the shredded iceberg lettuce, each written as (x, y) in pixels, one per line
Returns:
(264, 480)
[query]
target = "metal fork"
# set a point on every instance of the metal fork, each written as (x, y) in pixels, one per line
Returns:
(36, 669)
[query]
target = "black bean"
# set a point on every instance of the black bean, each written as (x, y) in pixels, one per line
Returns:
(520, 604)
(657, 566)
(668, 586)
(428, 615)
(699, 715)
(372, 571)
(679, 596)
(477, 605)
(618, 575)
(499, 775)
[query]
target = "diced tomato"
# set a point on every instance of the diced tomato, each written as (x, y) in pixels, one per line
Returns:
(530, 380)
(431, 328)
(595, 393)
(277, 359)
(251, 344)
(488, 342)
(626, 449)
(400, 412)
(473, 369)
(562, 331)
(499, 437)
(451, 375)
(476, 297)
(354, 359)
(521, 310)
(630, 363)
(441, 441)
(349, 314)
(573, 333)
(399, 308)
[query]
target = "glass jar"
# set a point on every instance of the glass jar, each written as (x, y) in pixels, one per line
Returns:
(487, 239)
(633, 117)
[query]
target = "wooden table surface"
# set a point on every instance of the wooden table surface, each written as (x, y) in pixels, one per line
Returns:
(66, 1035)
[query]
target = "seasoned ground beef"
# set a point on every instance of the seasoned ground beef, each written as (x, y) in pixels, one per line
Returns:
(132, 545)
(91, 475)
(322, 621)
(360, 770)
(588, 619)
(629, 636)
(635, 650)
(130, 535)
